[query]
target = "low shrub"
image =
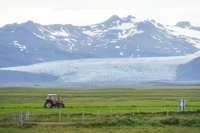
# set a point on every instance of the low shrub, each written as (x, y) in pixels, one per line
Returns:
(170, 121)
(190, 123)
(130, 122)
(6, 125)
(99, 124)
(153, 123)
(124, 121)
(114, 122)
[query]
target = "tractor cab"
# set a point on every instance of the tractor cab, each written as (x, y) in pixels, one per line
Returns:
(52, 101)
(51, 97)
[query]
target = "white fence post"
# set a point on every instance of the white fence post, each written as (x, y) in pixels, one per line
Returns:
(59, 115)
(21, 117)
(27, 114)
(83, 118)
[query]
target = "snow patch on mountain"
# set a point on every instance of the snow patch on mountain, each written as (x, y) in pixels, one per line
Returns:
(39, 36)
(117, 46)
(124, 26)
(21, 47)
(91, 33)
(128, 33)
(177, 31)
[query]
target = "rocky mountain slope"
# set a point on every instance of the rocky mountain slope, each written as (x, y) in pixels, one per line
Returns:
(189, 71)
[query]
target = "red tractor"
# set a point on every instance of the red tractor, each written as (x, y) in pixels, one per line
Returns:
(51, 101)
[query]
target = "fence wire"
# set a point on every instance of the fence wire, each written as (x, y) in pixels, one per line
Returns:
(23, 117)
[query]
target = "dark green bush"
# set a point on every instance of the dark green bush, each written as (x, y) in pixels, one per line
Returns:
(6, 125)
(114, 122)
(130, 122)
(190, 123)
(170, 121)
(152, 123)
(134, 122)
(126, 122)
(98, 124)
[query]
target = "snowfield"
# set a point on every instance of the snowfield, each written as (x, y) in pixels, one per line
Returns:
(110, 69)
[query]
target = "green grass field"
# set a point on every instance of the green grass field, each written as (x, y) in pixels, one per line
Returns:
(115, 107)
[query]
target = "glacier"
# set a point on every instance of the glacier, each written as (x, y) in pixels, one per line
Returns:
(132, 70)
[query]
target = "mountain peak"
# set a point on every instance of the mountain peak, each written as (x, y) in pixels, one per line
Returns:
(29, 22)
(130, 17)
(183, 24)
(114, 18)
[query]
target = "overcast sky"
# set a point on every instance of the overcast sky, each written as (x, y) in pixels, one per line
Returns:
(86, 12)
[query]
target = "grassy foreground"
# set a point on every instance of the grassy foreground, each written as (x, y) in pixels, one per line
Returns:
(134, 109)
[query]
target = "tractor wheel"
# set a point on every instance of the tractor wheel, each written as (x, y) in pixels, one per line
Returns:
(48, 105)
(61, 106)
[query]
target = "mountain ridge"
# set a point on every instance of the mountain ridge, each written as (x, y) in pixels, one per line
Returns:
(29, 42)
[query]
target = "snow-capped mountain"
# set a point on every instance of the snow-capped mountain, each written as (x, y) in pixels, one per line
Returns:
(29, 43)
(118, 50)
